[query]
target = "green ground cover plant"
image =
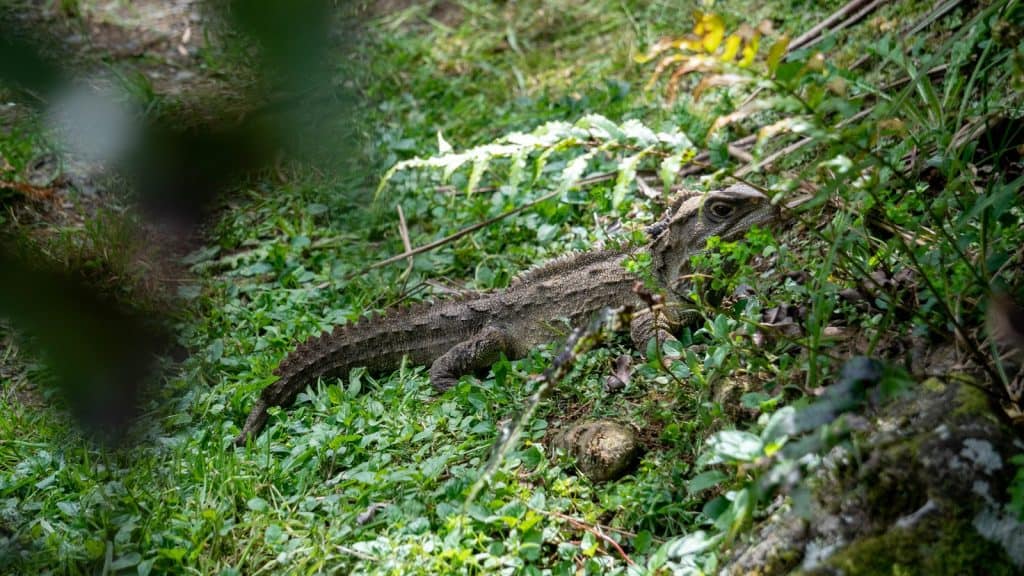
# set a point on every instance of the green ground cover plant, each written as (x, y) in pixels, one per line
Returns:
(474, 109)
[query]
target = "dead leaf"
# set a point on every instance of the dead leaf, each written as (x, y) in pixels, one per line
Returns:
(619, 378)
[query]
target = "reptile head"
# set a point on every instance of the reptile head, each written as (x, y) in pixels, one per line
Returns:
(696, 217)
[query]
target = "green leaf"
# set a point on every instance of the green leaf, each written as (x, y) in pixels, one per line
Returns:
(732, 446)
(691, 545)
(776, 52)
(669, 169)
(453, 162)
(542, 159)
(480, 164)
(174, 554)
(705, 480)
(781, 424)
(639, 133)
(432, 467)
(572, 173)
(127, 561)
(740, 510)
(627, 174)
(601, 128)
(443, 147)
(515, 171)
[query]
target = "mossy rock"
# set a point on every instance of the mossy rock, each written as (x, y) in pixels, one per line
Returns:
(604, 449)
(925, 492)
(935, 547)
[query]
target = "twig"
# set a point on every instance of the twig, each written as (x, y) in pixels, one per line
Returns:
(596, 531)
(739, 153)
(470, 229)
(582, 182)
(848, 22)
(936, 13)
(814, 35)
(645, 189)
(567, 518)
(449, 238)
(767, 161)
(936, 71)
(403, 231)
(356, 553)
(817, 29)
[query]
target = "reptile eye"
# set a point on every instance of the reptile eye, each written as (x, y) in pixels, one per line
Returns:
(721, 210)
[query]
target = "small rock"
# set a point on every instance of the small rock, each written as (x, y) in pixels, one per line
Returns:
(604, 450)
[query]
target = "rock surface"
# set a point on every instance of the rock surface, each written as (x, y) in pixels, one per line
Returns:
(925, 493)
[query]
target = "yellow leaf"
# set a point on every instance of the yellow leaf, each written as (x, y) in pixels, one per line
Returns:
(658, 48)
(717, 80)
(693, 64)
(713, 28)
(750, 51)
(662, 64)
(776, 52)
(732, 48)
(698, 22)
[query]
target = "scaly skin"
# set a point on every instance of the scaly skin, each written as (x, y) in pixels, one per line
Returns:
(459, 336)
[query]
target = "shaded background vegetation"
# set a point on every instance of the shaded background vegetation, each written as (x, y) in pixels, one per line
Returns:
(912, 155)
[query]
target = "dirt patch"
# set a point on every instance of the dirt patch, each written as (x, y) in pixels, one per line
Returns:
(447, 13)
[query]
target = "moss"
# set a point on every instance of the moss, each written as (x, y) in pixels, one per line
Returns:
(972, 402)
(934, 385)
(959, 549)
(892, 490)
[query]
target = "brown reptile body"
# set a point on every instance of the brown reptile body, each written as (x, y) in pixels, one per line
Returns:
(461, 335)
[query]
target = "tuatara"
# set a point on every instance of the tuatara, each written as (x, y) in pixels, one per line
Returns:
(461, 335)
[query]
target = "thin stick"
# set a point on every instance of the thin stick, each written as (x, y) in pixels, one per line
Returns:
(582, 182)
(568, 518)
(929, 18)
(739, 153)
(936, 71)
(598, 533)
(848, 22)
(356, 553)
(836, 16)
(813, 35)
(403, 231)
(767, 161)
(470, 229)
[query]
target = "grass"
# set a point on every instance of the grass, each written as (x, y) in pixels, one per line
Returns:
(371, 474)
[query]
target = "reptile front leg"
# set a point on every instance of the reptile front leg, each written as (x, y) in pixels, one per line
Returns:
(478, 352)
(650, 323)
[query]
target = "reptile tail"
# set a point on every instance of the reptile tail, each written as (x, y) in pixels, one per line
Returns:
(378, 343)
